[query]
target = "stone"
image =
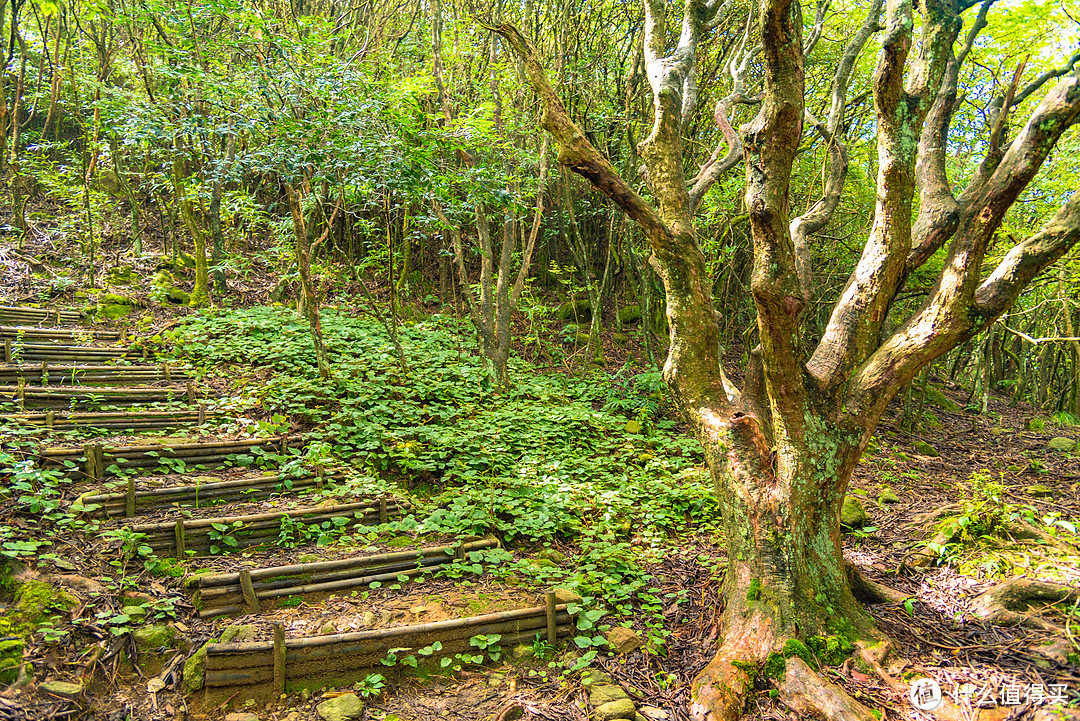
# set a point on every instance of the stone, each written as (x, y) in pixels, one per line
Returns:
(852, 514)
(239, 633)
(652, 712)
(621, 338)
(369, 618)
(121, 275)
(621, 709)
(888, 495)
(165, 289)
(1038, 490)
(925, 449)
(593, 677)
(522, 652)
(632, 427)
(623, 640)
(307, 557)
(241, 716)
(151, 638)
(629, 315)
(564, 595)
(579, 310)
(1014, 469)
(552, 555)
(1061, 443)
(81, 583)
(604, 693)
(327, 628)
(135, 613)
(62, 689)
(11, 659)
(194, 671)
(346, 707)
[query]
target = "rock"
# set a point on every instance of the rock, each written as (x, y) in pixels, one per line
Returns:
(552, 555)
(563, 595)
(346, 707)
(592, 677)
(165, 289)
(136, 613)
(621, 338)
(925, 449)
(369, 618)
(241, 716)
(522, 652)
(135, 598)
(1039, 491)
(80, 583)
(238, 633)
(852, 514)
(581, 338)
(121, 275)
(327, 628)
(630, 314)
(11, 659)
(888, 495)
(632, 427)
(62, 689)
(194, 671)
(151, 638)
(1014, 469)
(652, 712)
(579, 310)
(621, 709)
(307, 557)
(623, 640)
(605, 693)
(1061, 443)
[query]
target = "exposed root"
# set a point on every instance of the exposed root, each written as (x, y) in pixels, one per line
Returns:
(808, 694)
(1007, 603)
(719, 692)
(868, 591)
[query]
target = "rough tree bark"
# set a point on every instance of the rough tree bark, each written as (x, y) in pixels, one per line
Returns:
(781, 451)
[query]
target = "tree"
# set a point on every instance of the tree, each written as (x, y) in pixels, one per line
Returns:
(782, 449)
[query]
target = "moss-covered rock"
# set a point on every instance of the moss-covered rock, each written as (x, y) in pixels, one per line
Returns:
(121, 275)
(630, 314)
(1061, 443)
(852, 514)
(35, 601)
(925, 449)
(579, 310)
(165, 288)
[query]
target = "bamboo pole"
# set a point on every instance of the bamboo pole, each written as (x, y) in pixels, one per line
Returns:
(279, 659)
(252, 598)
(550, 613)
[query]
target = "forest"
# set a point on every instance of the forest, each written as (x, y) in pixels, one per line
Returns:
(653, 360)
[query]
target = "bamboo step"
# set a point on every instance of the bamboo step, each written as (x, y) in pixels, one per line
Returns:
(94, 459)
(266, 669)
(68, 397)
(73, 335)
(19, 352)
(249, 591)
(58, 422)
(134, 501)
(183, 536)
(17, 314)
(90, 375)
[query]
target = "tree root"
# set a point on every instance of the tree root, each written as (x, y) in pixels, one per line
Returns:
(1006, 604)
(808, 694)
(868, 591)
(719, 692)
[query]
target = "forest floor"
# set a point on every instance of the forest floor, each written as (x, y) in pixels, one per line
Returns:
(651, 559)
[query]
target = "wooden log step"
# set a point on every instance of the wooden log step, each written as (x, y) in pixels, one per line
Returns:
(132, 501)
(19, 352)
(90, 375)
(94, 460)
(73, 335)
(65, 397)
(224, 594)
(265, 669)
(57, 422)
(183, 536)
(17, 314)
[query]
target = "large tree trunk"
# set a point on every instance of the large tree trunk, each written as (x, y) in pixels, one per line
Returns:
(781, 450)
